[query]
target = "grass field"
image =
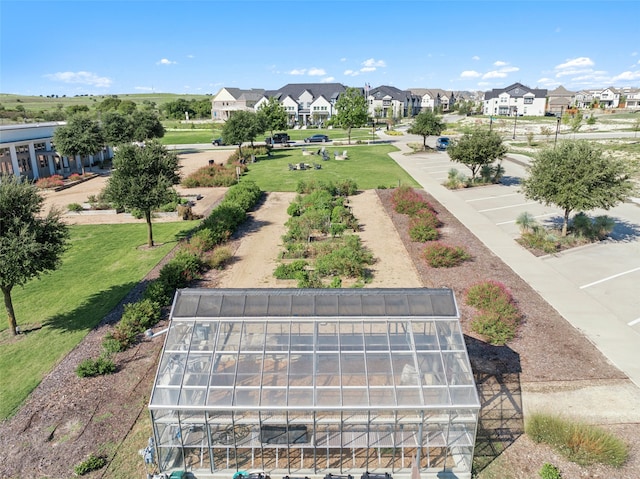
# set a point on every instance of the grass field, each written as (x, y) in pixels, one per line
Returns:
(99, 269)
(369, 166)
(37, 103)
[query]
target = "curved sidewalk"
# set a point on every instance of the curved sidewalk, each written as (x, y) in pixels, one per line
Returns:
(598, 324)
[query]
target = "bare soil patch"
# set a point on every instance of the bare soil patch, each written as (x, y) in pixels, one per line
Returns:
(67, 418)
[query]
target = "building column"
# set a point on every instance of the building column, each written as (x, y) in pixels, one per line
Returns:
(14, 160)
(34, 161)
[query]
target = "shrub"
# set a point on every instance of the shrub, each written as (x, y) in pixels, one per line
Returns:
(540, 240)
(597, 229)
(92, 463)
(210, 176)
(159, 292)
(407, 201)
(346, 188)
(484, 295)
(309, 279)
(290, 270)
(111, 345)
(455, 179)
(421, 232)
(74, 177)
(578, 442)
(494, 326)
(52, 181)
(219, 257)
(95, 367)
(549, 471)
(439, 255)
(75, 207)
(136, 318)
(245, 195)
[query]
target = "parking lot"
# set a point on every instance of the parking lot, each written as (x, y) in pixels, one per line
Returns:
(609, 271)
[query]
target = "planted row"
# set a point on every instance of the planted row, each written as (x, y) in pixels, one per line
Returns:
(498, 315)
(423, 228)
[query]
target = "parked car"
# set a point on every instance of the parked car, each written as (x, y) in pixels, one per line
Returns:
(442, 143)
(317, 139)
(218, 142)
(277, 138)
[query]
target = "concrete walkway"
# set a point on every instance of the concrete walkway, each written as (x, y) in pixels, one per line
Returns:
(587, 315)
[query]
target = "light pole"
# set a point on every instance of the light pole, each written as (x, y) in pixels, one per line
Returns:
(515, 121)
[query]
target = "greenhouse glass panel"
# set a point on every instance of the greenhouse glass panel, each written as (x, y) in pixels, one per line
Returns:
(315, 382)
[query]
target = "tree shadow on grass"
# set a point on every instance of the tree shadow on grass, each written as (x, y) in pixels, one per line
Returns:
(102, 307)
(496, 371)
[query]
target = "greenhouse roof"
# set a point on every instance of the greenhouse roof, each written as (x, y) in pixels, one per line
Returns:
(314, 349)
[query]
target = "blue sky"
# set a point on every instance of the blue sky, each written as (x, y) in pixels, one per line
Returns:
(110, 47)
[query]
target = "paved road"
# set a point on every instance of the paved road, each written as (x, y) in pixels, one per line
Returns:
(594, 287)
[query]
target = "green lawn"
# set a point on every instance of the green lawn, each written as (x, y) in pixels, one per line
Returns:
(370, 167)
(99, 269)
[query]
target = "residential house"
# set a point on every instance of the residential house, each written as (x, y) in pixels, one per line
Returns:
(229, 100)
(390, 102)
(27, 150)
(560, 99)
(608, 98)
(307, 103)
(434, 98)
(632, 98)
(515, 99)
(583, 99)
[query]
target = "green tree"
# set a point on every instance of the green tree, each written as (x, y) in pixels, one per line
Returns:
(242, 126)
(143, 179)
(127, 107)
(81, 136)
(116, 128)
(75, 109)
(202, 108)
(274, 115)
(145, 126)
(576, 121)
(176, 109)
(426, 124)
(30, 243)
(576, 176)
(109, 104)
(476, 149)
(351, 111)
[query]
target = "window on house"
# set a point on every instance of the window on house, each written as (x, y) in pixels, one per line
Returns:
(528, 101)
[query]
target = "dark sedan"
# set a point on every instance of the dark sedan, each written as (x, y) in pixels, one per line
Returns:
(317, 139)
(217, 142)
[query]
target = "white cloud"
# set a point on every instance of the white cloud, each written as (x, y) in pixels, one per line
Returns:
(372, 62)
(626, 76)
(314, 72)
(165, 61)
(573, 72)
(494, 74)
(470, 74)
(83, 78)
(575, 63)
(298, 71)
(367, 69)
(634, 54)
(351, 73)
(484, 83)
(475, 57)
(328, 80)
(343, 59)
(500, 63)
(191, 56)
(549, 82)
(509, 69)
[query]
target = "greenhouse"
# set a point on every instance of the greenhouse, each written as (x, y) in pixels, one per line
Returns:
(318, 382)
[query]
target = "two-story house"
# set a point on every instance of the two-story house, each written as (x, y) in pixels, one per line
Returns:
(608, 98)
(229, 100)
(434, 98)
(631, 98)
(515, 99)
(307, 103)
(390, 102)
(560, 100)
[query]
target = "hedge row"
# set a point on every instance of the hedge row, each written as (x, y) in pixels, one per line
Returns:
(498, 316)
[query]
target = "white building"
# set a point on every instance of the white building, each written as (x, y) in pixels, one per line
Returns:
(515, 99)
(27, 150)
